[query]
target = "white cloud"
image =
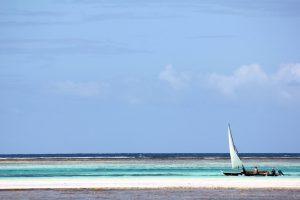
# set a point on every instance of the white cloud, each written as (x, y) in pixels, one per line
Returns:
(284, 82)
(247, 74)
(83, 89)
(288, 73)
(177, 80)
(250, 81)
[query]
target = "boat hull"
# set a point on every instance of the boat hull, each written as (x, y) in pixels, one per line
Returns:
(250, 173)
(232, 173)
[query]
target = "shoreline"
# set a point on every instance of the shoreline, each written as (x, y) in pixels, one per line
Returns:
(151, 194)
(147, 183)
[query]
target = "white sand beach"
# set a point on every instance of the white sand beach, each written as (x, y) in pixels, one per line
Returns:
(149, 183)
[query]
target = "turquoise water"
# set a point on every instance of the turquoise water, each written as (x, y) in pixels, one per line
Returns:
(204, 166)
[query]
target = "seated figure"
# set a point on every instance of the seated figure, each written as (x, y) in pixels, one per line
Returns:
(280, 173)
(255, 171)
(273, 172)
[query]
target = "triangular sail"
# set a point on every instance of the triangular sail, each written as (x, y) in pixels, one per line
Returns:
(235, 160)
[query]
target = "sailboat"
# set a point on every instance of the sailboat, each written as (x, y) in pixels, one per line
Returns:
(237, 163)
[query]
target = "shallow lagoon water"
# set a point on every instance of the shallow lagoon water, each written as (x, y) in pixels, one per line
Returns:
(143, 166)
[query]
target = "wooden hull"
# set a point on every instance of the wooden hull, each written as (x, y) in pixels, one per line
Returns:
(232, 173)
(250, 173)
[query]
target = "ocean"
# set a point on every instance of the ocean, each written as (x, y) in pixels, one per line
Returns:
(140, 165)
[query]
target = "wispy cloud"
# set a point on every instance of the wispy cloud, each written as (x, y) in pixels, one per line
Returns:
(40, 17)
(81, 89)
(63, 15)
(59, 13)
(32, 23)
(262, 7)
(31, 13)
(176, 80)
(64, 46)
(212, 36)
(129, 16)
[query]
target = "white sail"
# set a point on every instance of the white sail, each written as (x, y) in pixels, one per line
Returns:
(235, 160)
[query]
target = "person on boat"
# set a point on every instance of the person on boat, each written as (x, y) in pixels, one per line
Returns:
(280, 173)
(244, 170)
(255, 171)
(273, 172)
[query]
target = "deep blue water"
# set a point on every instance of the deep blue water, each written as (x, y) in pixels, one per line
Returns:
(151, 155)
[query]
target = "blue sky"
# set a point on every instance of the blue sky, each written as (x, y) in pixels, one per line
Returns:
(149, 76)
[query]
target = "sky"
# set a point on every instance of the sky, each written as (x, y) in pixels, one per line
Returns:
(149, 76)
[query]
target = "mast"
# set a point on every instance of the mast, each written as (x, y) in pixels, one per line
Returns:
(235, 160)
